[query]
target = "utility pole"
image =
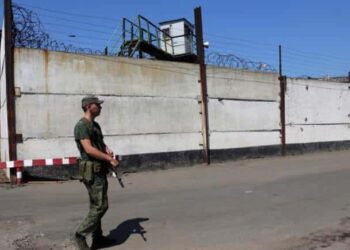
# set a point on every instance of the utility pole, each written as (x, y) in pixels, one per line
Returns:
(280, 59)
(203, 82)
(283, 82)
(10, 88)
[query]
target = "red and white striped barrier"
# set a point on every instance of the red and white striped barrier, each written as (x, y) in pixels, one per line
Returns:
(20, 164)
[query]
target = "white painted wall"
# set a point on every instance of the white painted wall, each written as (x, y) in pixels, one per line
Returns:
(243, 108)
(317, 111)
(152, 106)
(242, 84)
(149, 107)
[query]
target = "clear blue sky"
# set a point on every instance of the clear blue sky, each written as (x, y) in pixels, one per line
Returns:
(314, 34)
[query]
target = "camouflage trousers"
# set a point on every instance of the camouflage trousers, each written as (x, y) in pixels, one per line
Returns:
(98, 206)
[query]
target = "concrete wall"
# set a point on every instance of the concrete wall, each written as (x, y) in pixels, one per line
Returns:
(152, 107)
(317, 111)
(243, 108)
(149, 107)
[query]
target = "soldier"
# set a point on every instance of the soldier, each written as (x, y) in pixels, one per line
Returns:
(95, 160)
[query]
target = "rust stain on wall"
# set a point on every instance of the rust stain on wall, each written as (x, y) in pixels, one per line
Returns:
(46, 70)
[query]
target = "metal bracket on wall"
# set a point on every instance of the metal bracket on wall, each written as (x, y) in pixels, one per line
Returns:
(19, 138)
(18, 92)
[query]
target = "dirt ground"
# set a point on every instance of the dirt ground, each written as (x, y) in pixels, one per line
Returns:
(291, 203)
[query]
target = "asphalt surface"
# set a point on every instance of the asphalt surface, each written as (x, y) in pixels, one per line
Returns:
(295, 202)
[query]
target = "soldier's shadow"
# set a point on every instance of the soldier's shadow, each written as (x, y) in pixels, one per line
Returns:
(125, 229)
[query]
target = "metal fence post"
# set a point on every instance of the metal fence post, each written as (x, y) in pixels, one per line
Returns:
(10, 88)
(283, 83)
(203, 81)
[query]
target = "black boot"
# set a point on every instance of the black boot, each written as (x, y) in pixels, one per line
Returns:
(80, 242)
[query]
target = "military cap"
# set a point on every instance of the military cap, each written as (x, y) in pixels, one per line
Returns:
(90, 99)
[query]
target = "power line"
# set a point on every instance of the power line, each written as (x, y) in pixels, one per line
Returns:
(306, 60)
(234, 44)
(76, 21)
(256, 44)
(75, 27)
(316, 58)
(76, 34)
(241, 40)
(317, 54)
(251, 53)
(66, 13)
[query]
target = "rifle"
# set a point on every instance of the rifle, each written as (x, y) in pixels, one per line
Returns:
(115, 172)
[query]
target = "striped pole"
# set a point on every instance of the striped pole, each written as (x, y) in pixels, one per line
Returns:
(19, 165)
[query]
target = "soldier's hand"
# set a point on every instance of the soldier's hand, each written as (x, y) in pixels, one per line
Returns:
(114, 162)
(109, 152)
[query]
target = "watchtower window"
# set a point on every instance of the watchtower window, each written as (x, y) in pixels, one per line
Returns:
(188, 31)
(166, 33)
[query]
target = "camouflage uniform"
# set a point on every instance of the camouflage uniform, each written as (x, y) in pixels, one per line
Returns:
(96, 184)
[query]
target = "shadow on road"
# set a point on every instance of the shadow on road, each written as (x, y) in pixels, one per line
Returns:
(122, 232)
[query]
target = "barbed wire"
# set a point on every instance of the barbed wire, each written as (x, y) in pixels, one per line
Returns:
(29, 33)
(233, 61)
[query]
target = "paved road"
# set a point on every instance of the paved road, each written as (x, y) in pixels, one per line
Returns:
(294, 202)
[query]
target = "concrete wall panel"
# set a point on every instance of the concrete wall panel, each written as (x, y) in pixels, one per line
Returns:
(47, 116)
(228, 115)
(39, 148)
(150, 106)
(315, 133)
(150, 115)
(317, 102)
(39, 71)
(155, 143)
(227, 140)
(241, 84)
(123, 145)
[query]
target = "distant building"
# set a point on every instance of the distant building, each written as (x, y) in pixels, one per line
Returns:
(345, 79)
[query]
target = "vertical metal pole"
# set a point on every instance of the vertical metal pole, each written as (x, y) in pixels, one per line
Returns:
(149, 38)
(158, 41)
(140, 36)
(172, 46)
(283, 82)
(203, 81)
(132, 33)
(140, 28)
(10, 88)
(124, 30)
(349, 76)
(280, 59)
(165, 42)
